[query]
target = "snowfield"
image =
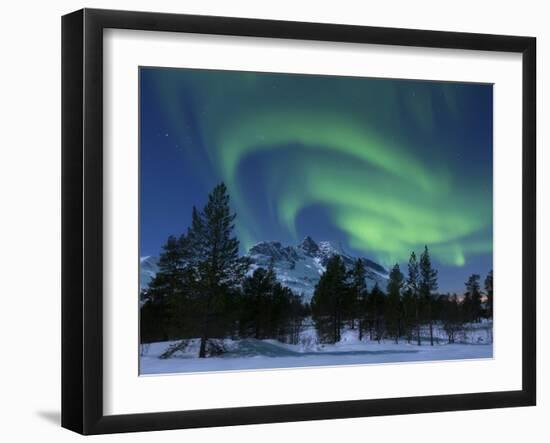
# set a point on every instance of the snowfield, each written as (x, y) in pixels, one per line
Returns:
(248, 354)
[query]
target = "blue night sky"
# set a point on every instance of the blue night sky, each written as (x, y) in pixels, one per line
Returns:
(380, 166)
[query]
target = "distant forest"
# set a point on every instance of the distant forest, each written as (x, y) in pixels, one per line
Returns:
(204, 290)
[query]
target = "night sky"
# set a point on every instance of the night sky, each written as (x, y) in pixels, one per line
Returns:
(380, 166)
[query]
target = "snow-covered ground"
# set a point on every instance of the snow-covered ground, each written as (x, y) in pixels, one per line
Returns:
(268, 354)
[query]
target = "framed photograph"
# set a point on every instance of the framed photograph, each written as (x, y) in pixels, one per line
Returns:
(269, 221)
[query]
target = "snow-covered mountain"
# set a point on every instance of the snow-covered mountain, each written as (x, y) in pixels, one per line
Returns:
(297, 267)
(300, 267)
(148, 268)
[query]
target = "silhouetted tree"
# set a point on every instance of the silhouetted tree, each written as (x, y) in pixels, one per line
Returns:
(257, 295)
(408, 313)
(473, 297)
(161, 313)
(393, 303)
(358, 291)
(428, 284)
(327, 302)
(413, 280)
(376, 308)
(215, 259)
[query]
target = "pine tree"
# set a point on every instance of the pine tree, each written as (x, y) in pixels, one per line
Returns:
(376, 308)
(428, 284)
(281, 314)
(408, 311)
(167, 280)
(256, 291)
(327, 301)
(159, 313)
(489, 291)
(393, 302)
(215, 257)
(413, 286)
(473, 293)
(358, 290)
(171, 260)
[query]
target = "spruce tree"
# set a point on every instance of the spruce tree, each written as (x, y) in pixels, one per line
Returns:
(159, 313)
(327, 301)
(408, 311)
(358, 291)
(167, 281)
(428, 284)
(473, 293)
(257, 290)
(466, 307)
(413, 286)
(215, 258)
(376, 307)
(393, 302)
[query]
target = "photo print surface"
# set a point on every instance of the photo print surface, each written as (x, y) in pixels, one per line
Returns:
(291, 221)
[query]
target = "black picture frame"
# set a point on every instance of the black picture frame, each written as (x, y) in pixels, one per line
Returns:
(82, 218)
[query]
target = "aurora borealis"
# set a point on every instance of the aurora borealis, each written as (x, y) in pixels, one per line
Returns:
(382, 166)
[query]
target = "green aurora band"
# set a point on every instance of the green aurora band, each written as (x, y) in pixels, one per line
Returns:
(389, 194)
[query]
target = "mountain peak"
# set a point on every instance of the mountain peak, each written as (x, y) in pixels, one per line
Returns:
(309, 246)
(273, 249)
(331, 248)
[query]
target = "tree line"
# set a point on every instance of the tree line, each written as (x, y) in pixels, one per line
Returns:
(204, 290)
(409, 305)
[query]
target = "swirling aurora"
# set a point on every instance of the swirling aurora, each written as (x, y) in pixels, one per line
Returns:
(382, 166)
